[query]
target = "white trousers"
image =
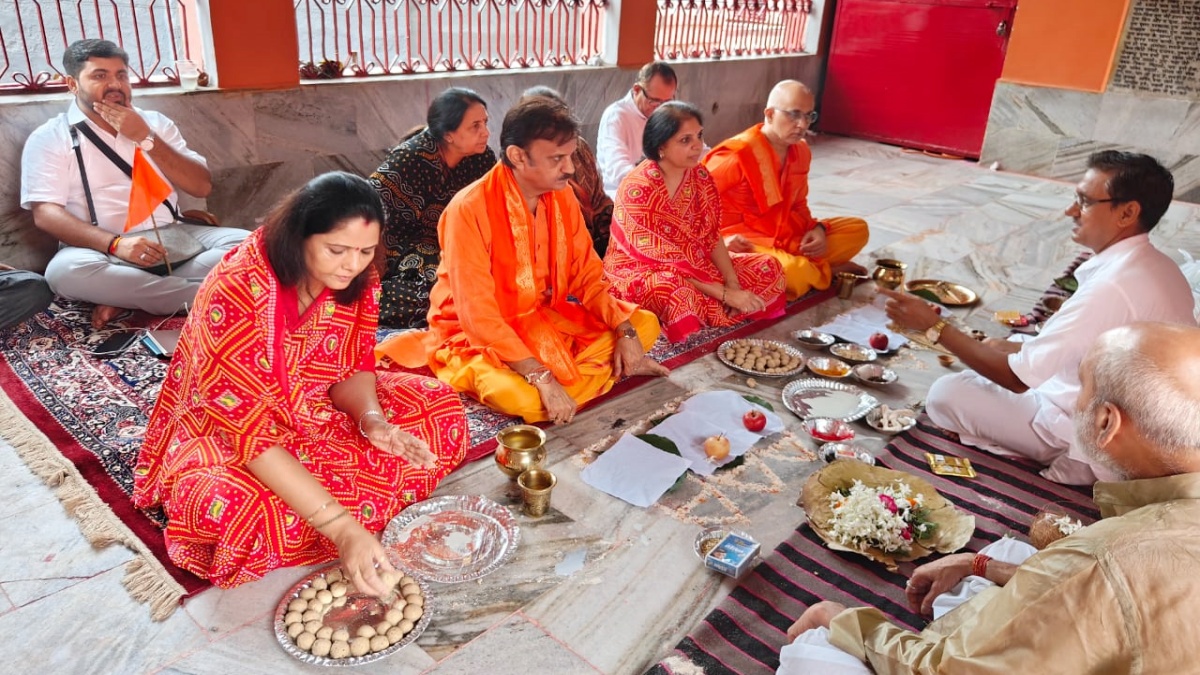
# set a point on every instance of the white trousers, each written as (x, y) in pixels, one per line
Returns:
(84, 274)
(992, 418)
(811, 652)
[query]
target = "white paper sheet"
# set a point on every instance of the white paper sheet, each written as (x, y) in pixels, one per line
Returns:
(709, 414)
(635, 471)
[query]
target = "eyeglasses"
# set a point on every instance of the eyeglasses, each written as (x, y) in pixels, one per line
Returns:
(798, 115)
(651, 99)
(1083, 201)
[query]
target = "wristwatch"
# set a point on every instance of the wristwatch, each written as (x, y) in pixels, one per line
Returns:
(147, 143)
(934, 332)
(629, 333)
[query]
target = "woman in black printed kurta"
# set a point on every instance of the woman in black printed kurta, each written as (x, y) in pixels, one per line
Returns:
(415, 182)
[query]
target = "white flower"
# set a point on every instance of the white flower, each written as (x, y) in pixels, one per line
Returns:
(866, 517)
(1067, 525)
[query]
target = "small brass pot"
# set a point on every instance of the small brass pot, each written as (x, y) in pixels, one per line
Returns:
(889, 273)
(522, 447)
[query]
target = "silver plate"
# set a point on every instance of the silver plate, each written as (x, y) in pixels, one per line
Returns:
(813, 339)
(788, 349)
(851, 351)
(458, 538)
(368, 611)
(815, 397)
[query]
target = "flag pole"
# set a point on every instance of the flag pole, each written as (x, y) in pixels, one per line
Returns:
(158, 236)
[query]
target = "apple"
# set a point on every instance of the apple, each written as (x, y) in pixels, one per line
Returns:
(754, 420)
(878, 342)
(716, 447)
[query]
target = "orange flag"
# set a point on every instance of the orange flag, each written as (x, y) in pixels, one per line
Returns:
(148, 191)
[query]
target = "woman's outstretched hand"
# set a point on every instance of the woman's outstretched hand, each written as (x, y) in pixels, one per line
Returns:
(395, 441)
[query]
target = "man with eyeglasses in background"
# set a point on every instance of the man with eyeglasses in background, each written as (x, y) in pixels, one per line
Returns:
(1018, 397)
(619, 140)
(762, 175)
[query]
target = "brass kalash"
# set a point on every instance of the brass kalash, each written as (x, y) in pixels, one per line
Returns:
(889, 273)
(522, 447)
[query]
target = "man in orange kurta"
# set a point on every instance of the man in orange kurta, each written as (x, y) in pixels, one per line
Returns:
(762, 175)
(521, 317)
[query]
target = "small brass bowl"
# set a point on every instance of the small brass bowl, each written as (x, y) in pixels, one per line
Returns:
(522, 447)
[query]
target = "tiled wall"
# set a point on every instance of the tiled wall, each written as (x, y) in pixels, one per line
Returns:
(260, 145)
(1152, 105)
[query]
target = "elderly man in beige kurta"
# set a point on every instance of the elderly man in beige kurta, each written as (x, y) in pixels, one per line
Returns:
(1114, 597)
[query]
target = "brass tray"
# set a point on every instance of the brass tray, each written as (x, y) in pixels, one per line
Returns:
(947, 293)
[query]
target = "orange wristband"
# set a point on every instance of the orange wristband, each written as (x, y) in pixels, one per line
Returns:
(112, 245)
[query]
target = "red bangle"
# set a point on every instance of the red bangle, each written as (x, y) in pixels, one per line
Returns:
(979, 565)
(112, 245)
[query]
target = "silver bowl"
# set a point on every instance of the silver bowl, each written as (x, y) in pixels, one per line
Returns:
(873, 374)
(827, 366)
(827, 429)
(813, 339)
(873, 420)
(851, 351)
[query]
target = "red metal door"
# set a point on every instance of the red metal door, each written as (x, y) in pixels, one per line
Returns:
(916, 73)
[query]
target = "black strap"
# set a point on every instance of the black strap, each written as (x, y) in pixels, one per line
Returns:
(87, 190)
(120, 164)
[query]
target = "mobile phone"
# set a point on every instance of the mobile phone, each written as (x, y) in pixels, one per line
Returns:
(161, 343)
(116, 343)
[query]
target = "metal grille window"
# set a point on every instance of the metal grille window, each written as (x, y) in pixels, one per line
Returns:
(380, 37)
(711, 29)
(34, 34)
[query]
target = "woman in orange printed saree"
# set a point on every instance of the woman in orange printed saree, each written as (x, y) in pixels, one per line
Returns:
(273, 442)
(666, 253)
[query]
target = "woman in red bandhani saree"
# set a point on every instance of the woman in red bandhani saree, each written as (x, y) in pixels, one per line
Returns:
(666, 253)
(274, 442)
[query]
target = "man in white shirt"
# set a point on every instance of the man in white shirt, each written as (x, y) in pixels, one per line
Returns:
(97, 262)
(619, 141)
(1018, 397)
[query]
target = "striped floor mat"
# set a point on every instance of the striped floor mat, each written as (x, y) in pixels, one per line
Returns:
(743, 635)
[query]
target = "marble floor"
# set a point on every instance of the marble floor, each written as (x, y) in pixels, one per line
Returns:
(597, 585)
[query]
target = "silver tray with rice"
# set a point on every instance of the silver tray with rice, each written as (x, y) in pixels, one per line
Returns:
(813, 397)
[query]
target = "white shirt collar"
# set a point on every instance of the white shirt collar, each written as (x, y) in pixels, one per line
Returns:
(1097, 262)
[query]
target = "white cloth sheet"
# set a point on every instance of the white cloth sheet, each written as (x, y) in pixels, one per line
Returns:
(709, 414)
(635, 471)
(860, 323)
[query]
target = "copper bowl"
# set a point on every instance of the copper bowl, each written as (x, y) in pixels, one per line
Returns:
(522, 447)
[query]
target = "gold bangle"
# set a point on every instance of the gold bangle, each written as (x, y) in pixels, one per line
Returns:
(318, 527)
(320, 508)
(724, 290)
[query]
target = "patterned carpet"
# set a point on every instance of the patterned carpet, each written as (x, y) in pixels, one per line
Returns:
(92, 413)
(743, 635)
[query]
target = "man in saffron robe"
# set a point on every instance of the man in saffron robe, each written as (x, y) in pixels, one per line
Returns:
(520, 317)
(762, 175)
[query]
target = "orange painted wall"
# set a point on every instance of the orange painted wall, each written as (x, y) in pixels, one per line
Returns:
(1070, 44)
(637, 33)
(255, 44)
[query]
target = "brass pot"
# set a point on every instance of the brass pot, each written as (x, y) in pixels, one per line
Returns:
(522, 447)
(889, 273)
